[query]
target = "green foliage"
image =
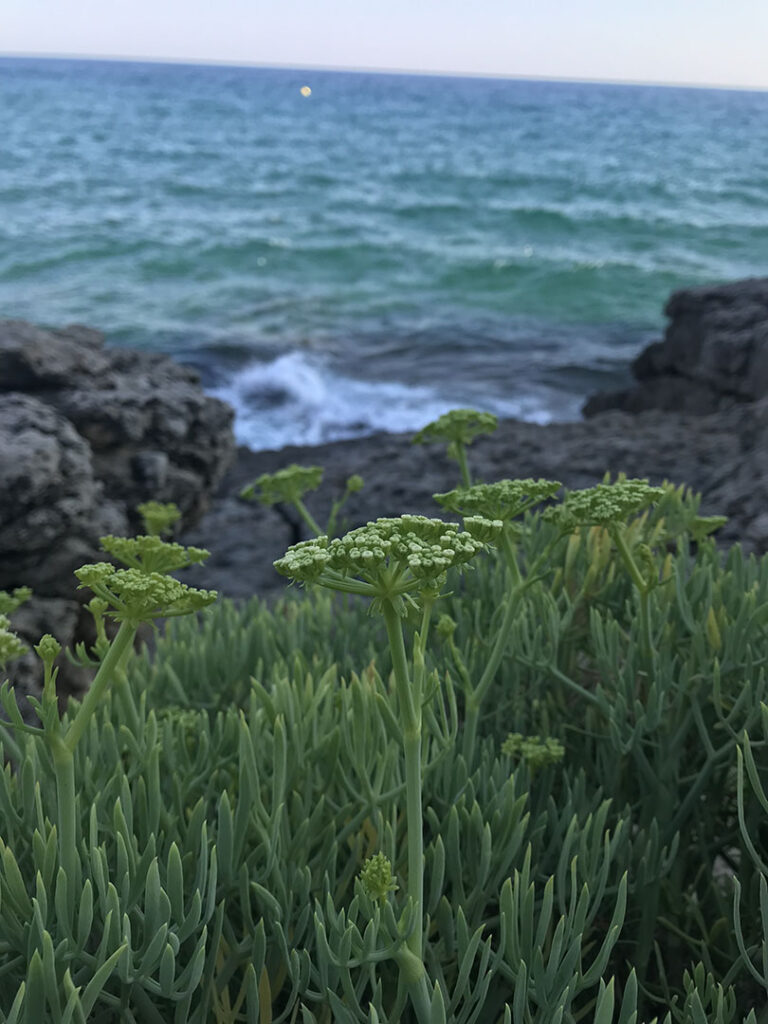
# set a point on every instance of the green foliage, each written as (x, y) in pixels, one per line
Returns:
(239, 846)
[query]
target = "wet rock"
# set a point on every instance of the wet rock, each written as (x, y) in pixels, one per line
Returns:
(714, 354)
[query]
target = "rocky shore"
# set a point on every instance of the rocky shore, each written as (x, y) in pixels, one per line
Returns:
(697, 414)
(86, 433)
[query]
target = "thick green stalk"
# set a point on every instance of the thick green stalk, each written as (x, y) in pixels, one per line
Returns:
(307, 516)
(101, 682)
(510, 557)
(410, 711)
(629, 562)
(645, 624)
(461, 458)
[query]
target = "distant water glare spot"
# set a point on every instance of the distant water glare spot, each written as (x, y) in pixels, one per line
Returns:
(527, 251)
(261, 261)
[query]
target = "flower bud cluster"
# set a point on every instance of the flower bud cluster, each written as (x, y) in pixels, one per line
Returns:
(533, 750)
(151, 554)
(9, 602)
(142, 596)
(159, 518)
(460, 426)
(503, 500)
(446, 627)
(286, 485)
(10, 645)
(604, 504)
(377, 878)
(48, 649)
(425, 547)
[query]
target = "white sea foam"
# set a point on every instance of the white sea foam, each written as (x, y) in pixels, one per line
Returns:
(298, 399)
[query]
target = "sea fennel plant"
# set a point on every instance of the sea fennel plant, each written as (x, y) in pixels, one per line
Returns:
(399, 563)
(458, 429)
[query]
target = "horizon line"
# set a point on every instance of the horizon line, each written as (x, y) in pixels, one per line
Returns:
(494, 76)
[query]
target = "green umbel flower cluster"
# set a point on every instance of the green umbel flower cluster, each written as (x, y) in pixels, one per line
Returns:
(377, 878)
(392, 556)
(9, 602)
(504, 500)
(533, 750)
(604, 504)
(139, 596)
(151, 554)
(159, 518)
(459, 426)
(10, 645)
(287, 485)
(143, 592)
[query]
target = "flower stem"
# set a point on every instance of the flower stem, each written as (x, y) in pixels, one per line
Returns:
(461, 458)
(307, 516)
(645, 623)
(410, 711)
(101, 682)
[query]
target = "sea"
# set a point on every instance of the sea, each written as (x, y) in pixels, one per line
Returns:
(339, 252)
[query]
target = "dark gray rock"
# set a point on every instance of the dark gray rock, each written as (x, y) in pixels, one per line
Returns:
(714, 354)
(53, 508)
(86, 434)
(33, 359)
(151, 430)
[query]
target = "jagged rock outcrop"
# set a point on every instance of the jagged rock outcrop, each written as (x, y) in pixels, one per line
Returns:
(714, 354)
(53, 507)
(151, 430)
(86, 434)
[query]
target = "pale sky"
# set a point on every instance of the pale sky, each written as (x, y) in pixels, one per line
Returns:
(720, 42)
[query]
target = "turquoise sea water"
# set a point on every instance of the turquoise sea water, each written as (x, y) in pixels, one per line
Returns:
(380, 251)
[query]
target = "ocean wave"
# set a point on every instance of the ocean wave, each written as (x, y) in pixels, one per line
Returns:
(297, 398)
